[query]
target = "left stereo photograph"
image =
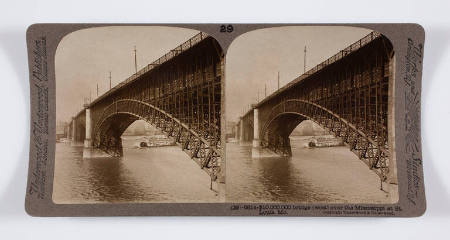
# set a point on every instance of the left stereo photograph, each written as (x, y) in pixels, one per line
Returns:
(138, 116)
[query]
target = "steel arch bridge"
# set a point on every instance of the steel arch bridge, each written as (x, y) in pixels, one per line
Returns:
(179, 93)
(349, 95)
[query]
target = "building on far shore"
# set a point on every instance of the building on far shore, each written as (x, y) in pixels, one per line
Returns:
(230, 129)
(308, 128)
(62, 130)
(141, 128)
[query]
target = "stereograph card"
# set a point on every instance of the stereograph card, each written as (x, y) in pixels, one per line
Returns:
(225, 120)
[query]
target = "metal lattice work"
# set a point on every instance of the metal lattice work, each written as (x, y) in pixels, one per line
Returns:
(202, 148)
(179, 93)
(350, 94)
(371, 152)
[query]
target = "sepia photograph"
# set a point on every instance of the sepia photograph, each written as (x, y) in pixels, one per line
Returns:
(310, 116)
(226, 120)
(138, 116)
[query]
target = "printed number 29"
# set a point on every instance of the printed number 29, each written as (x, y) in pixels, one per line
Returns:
(226, 28)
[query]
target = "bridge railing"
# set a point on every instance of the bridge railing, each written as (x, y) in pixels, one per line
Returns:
(336, 57)
(166, 57)
(341, 54)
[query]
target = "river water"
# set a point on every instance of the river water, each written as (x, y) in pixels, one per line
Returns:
(331, 175)
(159, 174)
(167, 174)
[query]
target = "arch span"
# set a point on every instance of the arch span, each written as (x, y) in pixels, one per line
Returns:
(285, 116)
(115, 119)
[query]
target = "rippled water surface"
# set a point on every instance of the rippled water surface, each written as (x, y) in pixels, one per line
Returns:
(162, 174)
(167, 174)
(331, 174)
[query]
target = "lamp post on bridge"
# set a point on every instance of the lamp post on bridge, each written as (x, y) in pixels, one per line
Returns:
(278, 80)
(304, 60)
(265, 90)
(135, 60)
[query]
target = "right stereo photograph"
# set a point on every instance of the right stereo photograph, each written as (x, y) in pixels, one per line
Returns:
(309, 114)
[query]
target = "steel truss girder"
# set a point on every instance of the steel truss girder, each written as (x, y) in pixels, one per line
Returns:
(202, 147)
(372, 152)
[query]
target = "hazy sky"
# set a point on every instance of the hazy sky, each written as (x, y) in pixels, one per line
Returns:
(85, 57)
(254, 59)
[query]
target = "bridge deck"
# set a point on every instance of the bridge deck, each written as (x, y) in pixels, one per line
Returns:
(336, 57)
(151, 66)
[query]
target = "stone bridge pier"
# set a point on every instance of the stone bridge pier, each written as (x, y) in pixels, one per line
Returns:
(77, 130)
(256, 144)
(250, 127)
(241, 130)
(88, 139)
(88, 149)
(73, 131)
